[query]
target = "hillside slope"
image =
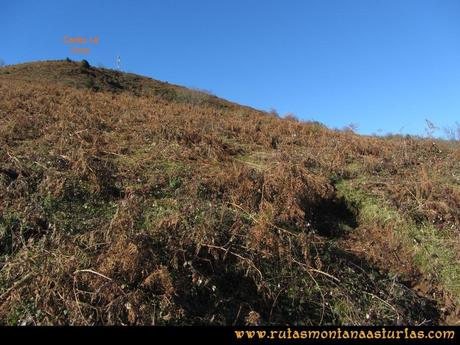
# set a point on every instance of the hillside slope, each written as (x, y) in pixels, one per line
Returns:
(124, 200)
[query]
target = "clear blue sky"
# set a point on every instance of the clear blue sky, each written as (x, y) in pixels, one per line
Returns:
(385, 65)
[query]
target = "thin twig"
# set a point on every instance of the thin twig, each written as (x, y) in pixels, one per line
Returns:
(325, 273)
(13, 158)
(93, 272)
(311, 269)
(273, 305)
(322, 297)
(77, 301)
(237, 315)
(113, 153)
(385, 302)
(15, 285)
(226, 250)
(258, 222)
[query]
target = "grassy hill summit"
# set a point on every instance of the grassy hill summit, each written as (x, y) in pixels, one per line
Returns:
(126, 200)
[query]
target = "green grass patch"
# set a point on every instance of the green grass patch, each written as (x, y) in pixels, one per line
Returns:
(77, 209)
(434, 253)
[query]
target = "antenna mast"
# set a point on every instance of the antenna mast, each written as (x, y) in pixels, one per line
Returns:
(118, 62)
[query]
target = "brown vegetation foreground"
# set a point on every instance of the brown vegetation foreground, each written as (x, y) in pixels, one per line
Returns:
(124, 200)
